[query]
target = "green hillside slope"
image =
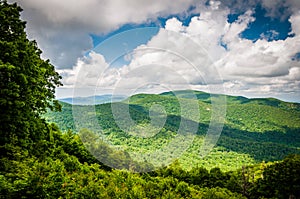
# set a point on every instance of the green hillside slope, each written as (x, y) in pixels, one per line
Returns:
(255, 130)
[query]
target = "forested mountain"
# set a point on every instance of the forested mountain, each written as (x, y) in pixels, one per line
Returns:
(207, 97)
(40, 160)
(255, 130)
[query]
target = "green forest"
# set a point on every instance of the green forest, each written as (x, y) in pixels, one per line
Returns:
(46, 153)
(254, 131)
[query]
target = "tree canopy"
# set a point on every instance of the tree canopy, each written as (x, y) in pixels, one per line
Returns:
(27, 83)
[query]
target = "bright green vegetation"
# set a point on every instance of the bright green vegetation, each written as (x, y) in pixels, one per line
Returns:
(255, 130)
(66, 169)
(38, 160)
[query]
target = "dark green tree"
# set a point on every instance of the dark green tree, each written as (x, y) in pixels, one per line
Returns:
(27, 86)
(199, 176)
(216, 178)
(280, 180)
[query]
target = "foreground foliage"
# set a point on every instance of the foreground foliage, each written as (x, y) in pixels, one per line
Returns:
(27, 86)
(67, 170)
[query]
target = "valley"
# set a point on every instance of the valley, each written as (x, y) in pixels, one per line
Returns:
(254, 131)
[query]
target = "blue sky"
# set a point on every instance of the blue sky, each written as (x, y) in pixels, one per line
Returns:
(253, 46)
(264, 24)
(129, 36)
(114, 43)
(122, 41)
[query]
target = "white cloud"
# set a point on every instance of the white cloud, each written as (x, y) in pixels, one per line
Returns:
(174, 25)
(177, 57)
(184, 58)
(271, 34)
(274, 8)
(62, 28)
(85, 73)
(294, 74)
(215, 5)
(232, 35)
(295, 21)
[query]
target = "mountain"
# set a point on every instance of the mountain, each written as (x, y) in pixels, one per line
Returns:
(255, 130)
(207, 97)
(92, 100)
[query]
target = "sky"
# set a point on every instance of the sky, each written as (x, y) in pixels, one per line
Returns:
(237, 47)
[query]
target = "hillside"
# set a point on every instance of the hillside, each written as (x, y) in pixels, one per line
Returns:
(255, 130)
(207, 97)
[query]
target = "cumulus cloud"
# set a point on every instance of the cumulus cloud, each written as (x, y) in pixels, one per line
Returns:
(179, 55)
(86, 72)
(192, 57)
(62, 28)
(274, 8)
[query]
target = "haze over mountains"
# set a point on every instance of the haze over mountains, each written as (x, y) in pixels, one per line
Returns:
(92, 100)
(202, 96)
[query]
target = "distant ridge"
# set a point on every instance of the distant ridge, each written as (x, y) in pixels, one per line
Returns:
(207, 97)
(92, 100)
(200, 95)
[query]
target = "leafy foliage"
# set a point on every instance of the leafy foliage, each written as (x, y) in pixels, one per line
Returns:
(62, 174)
(27, 84)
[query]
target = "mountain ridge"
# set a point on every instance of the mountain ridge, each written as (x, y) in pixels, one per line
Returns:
(189, 94)
(93, 100)
(256, 131)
